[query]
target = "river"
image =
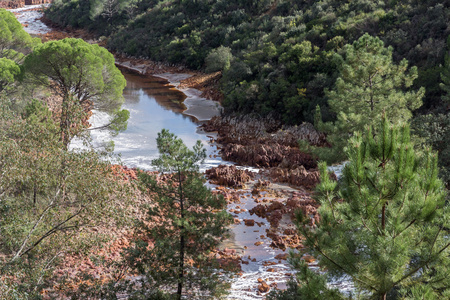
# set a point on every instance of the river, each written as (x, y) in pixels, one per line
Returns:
(155, 103)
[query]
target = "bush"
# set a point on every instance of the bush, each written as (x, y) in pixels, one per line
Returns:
(218, 59)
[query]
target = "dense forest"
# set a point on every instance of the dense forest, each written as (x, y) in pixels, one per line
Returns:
(373, 77)
(281, 57)
(277, 56)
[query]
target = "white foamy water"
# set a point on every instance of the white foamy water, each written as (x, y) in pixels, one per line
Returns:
(337, 169)
(30, 19)
(259, 262)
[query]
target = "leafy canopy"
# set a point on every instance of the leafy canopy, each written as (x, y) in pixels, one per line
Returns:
(385, 223)
(445, 76)
(84, 71)
(434, 129)
(84, 76)
(9, 73)
(14, 41)
(369, 85)
(266, 39)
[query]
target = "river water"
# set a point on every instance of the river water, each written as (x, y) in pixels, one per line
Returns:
(155, 104)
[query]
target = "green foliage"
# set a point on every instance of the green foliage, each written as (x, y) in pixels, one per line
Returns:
(370, 84)
(14, 41)
(278, 47)
(307, 285)
(435, 130)
(218, 59)
(49, 197)
(84, 71)
(119, 121)
(85, 77)
(185, 223)
(385, 222)
(445, 76)
(9, 73)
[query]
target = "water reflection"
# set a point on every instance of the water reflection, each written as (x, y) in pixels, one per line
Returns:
(153, 105)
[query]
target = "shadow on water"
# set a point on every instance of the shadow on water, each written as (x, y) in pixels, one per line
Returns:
(166, 95)
(153, 104)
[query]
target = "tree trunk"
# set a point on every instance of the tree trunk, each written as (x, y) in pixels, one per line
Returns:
(383, 296)
(180, 274)
(181, 266)
(64, 123)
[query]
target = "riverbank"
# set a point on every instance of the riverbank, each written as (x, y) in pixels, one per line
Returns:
(208, 84)
(15, 4)
(263, 209)
(203, 97)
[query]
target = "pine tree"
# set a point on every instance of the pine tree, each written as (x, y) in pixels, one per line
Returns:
(190, 222)
(370, 83)
(434, 129)
(14, 40)
(386, 222)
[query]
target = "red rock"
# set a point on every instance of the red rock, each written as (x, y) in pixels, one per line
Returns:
(249, 222)
(308, 258)
(229, 176)
(229, 251)
(290, 231)
(297, 176)
(262, 183)
(282, 256)
(263, 287)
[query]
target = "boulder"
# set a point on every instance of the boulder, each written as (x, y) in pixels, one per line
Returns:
(229, 176)
(263, 287)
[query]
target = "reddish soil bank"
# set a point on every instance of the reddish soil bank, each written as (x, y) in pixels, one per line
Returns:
(104, 264)
(229, 176)
(11, 4)
(207, 83)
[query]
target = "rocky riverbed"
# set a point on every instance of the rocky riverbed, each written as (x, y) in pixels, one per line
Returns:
(263, 198)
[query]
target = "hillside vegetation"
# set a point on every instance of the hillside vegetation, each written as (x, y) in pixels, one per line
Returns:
(364, 72)
(283, 58)
(277, 56)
